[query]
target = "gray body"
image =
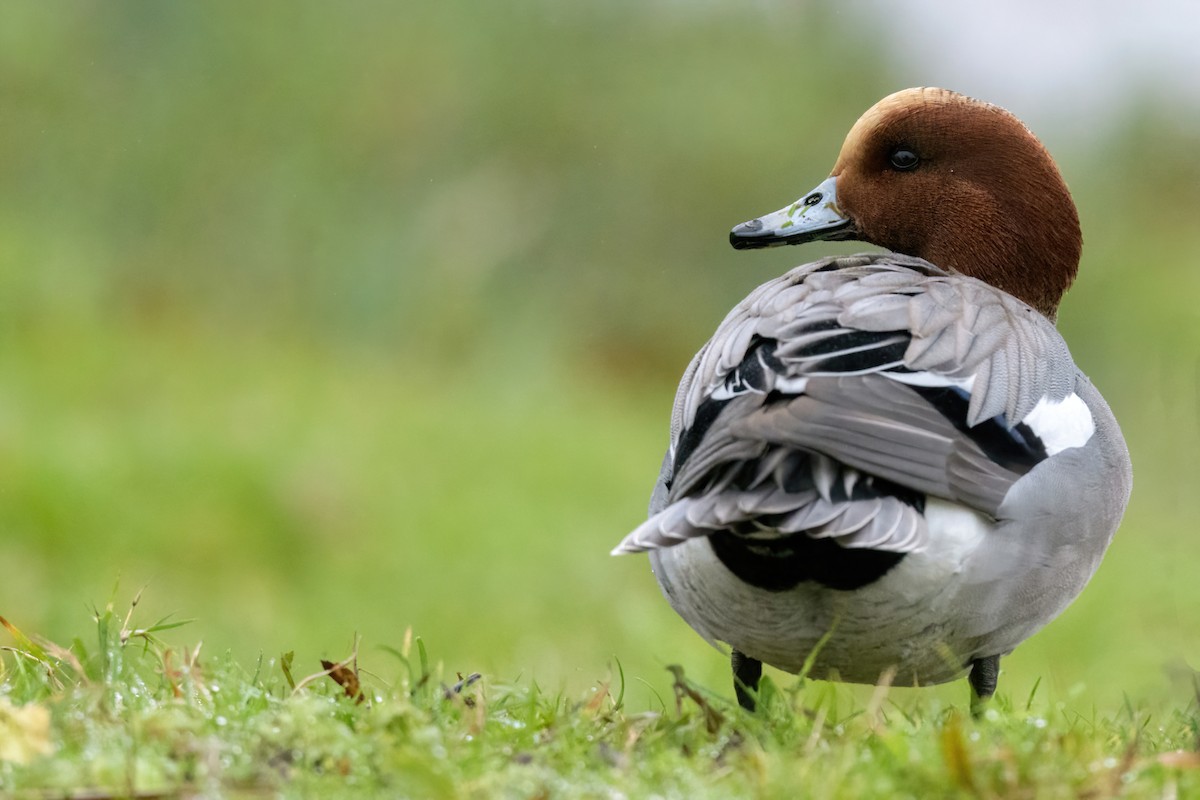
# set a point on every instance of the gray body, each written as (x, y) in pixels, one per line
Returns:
(996, 551)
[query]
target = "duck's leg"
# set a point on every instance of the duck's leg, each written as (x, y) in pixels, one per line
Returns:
(746, 672)
(984, 672)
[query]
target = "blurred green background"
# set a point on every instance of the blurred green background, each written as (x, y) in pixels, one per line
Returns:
(319, 319)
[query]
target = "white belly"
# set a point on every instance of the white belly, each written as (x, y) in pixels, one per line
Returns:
(911, 618)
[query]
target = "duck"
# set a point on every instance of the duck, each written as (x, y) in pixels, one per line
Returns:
(887, 467)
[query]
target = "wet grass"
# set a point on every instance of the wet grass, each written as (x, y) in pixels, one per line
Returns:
(119, 713)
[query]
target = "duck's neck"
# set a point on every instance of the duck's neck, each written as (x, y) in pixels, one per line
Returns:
(1029, 245)
(1034, 266)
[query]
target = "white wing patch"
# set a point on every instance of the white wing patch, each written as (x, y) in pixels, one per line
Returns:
(731, 388)
(1061, 424)
(791, 385)
(931, 379)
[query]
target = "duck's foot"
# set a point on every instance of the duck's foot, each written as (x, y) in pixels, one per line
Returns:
(746, 672)
(984, 672)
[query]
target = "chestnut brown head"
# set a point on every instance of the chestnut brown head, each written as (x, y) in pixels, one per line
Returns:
(960, 183)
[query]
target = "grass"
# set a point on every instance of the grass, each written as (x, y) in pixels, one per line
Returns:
(122, 714)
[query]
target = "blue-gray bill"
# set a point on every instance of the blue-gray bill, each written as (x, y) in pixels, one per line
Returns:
(814, 217)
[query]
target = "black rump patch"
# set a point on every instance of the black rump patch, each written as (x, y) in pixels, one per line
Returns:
(787, 560)
(781, 564)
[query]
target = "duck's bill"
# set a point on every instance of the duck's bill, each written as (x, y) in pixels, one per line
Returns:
(814, 217)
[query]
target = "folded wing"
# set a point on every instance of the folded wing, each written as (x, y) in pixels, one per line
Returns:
(833, 401)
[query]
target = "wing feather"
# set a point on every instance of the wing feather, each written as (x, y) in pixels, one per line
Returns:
(814, 409)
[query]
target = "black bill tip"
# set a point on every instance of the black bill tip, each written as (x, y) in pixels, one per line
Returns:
(749, 235)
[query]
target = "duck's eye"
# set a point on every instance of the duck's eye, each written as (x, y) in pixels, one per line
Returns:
(903, 159)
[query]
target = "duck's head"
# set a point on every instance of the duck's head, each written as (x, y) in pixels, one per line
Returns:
(960, 183)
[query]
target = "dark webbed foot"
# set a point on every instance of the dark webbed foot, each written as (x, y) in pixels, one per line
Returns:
(982, 678)
(746, 672)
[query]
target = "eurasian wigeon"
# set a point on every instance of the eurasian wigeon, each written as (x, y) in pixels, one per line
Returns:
(888, 464)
